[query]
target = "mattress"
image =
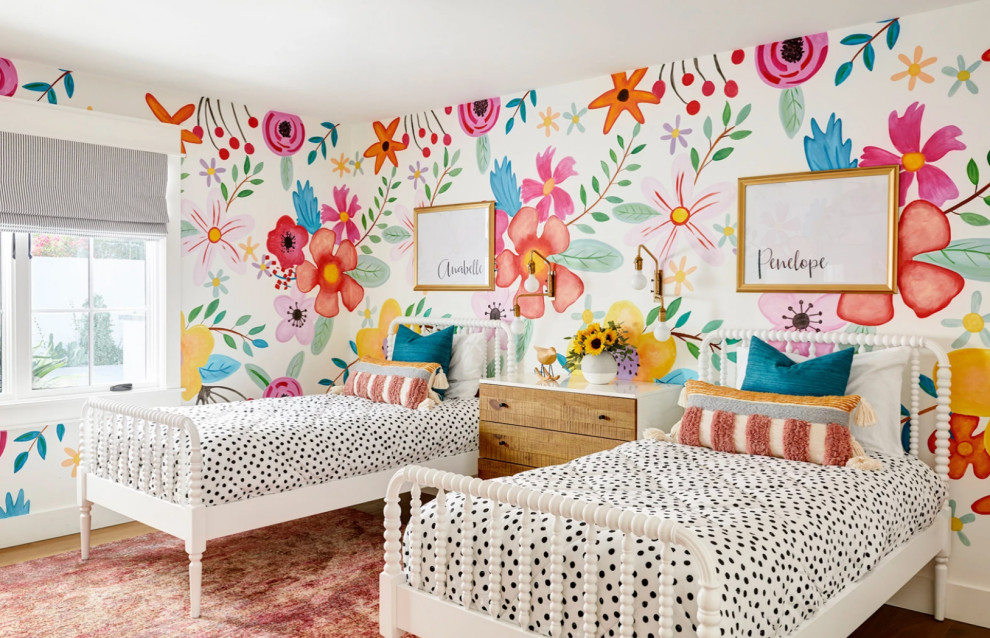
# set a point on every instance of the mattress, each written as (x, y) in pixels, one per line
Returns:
(787, 536)
(254, 448)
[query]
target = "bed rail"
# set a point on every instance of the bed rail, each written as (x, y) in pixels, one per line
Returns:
(394, 585)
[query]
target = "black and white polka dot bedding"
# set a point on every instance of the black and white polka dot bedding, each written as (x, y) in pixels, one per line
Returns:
(253, 448)
(787, 535)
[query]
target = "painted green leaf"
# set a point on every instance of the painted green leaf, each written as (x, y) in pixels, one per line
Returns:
(584, 228)
(683, 319)
(633, 167)
(257, 375)
(39, 87)
(219, 317)
(589, 255)
(968, 257)
(194, 313)
(187, 229)
(523, 340)
(429, 192)
(508, 125)
(712, 325)
(599, 217)
(613, 199)
(652, 316)
(321, 334)
(584, 196)
(726, 114)
(229, 340)
(708, 127)
(295, 366)
(693, 349)
(19, 461)
(605, 169)
(855, 39)
(722, 153)
(974, 220)
(223, 190)
(973, 172)
(673, 307)
(445, 188)
(738, 135)
(622, 142)
(595, 186)
(792, 110)
(893, 31)
(246, 347)
(211, 308)
(233, 173)
(256, 330)
(243, 320)
(695, 159)
(637, 149)
(396, 234)
(743, 114)
(370, 272)
(366, 250)
(60, 431)
(27, 436)
(285, 172)
(842, 73)
(633, 213)
(869, 56)
(374, 239)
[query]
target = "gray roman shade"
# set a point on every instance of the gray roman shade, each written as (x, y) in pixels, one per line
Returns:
(58, 186)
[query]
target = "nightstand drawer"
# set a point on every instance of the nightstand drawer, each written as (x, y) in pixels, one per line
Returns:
(592, 415)
(488, 469)
(534, 447)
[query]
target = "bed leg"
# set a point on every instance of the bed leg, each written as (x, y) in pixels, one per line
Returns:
(195, 583)
(85, 524)
(941, 577)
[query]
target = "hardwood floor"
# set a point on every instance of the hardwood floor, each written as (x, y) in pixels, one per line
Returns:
(887, 622)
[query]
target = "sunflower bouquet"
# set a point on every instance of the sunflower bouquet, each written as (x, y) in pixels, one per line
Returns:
(596, 339)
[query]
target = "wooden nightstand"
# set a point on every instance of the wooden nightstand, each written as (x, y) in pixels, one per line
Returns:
(526, 424)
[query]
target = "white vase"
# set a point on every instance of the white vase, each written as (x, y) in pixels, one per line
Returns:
(599, 369)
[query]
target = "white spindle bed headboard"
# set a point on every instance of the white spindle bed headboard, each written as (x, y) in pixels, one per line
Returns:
(502, 335)
(732, 340)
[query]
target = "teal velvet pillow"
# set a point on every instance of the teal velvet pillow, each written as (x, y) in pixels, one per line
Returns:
(435, 347)
(769, 370)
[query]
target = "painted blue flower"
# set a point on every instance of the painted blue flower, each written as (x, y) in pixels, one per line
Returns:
(20, 507)
(959, 522)
(215, 282)
(962, 74)
(505, 187)
(573, 117)
(727, 232)
(973, 323)
(307, 208)
(587, 316)
(826, 150)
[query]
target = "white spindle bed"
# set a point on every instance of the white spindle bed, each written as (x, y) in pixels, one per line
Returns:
(148, 464)
(410, 604)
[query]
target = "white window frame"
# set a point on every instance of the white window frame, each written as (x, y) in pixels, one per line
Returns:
(163, 387)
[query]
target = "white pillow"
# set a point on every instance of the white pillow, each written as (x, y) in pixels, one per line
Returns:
(875, 376)
(467, 365)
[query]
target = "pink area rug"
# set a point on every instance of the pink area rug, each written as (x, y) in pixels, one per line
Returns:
(317, 576)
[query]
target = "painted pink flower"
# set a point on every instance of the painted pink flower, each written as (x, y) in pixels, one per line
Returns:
(501, 225)
(524, 233)
(8, 77)
(682, 214)
(284, 132)
(342, 216)
(548, 187)
(924, 288)
(214, 232)
(494, 305)
(802, 313)
(283, 387)
(286, 242)
(791, 62)
(298, 317)
(479, 117)
(916, 160)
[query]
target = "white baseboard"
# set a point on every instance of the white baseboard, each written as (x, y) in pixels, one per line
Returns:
(965, 603)
(53, 523)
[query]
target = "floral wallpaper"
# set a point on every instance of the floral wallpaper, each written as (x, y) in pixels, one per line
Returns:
(298, 229)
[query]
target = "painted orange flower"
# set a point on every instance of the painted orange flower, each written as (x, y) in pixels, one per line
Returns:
(385, 146)
(624, 97)
(72, 461)
(964, 448)
(180, 116)
(914, 71)
(329, 273)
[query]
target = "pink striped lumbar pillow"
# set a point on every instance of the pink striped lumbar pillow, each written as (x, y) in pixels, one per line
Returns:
(408, 384)
(809, 429)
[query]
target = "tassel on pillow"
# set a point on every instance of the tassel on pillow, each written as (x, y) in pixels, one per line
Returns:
(656, 435)
(440, 381)
(865, 415)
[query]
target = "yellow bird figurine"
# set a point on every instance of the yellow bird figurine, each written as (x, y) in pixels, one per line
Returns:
(546, 357)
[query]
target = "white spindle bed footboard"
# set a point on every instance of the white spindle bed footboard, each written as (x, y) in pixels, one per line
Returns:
(407, 604)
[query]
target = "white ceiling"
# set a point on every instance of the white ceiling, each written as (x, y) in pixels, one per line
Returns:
(358, 60)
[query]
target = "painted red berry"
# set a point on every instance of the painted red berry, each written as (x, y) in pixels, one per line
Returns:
(738, 56)
(707, 88)
(986, 56)
(659, 87)
(687, 79)
(448, 109)
(693, 107)
(447, 139)
(253, 122)
(218, 131)
(434, 138)
(405, 139)
(426, 151)
(731, 89)
(422, 132)
(249, 148)
(198, 131)
(235, 143)
(224, 154)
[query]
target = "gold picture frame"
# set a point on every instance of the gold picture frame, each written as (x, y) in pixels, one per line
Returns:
(454, 247)
(844, 220)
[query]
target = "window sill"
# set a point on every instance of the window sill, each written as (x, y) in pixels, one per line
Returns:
(69, 407)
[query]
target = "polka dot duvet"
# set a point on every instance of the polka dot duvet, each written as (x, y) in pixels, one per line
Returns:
(787, 535)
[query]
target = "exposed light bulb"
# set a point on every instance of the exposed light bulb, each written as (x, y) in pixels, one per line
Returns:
(638, 280)
(518, 326)
(531, 284)
(661, 331)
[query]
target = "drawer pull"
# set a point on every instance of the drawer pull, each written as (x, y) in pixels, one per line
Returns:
(497, 405)
(602, 417)
(502, 443)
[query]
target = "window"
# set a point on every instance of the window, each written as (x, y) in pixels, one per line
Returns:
(84, 311)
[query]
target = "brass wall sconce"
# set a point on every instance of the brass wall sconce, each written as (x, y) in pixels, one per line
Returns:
(532, 287)
(661, 331)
